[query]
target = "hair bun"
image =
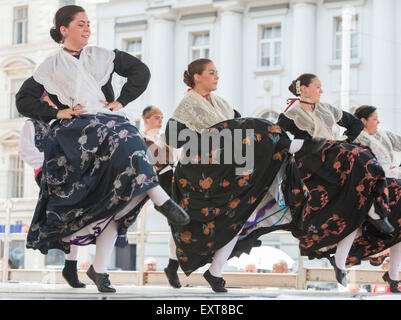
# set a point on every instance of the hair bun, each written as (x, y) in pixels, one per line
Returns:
(188, 79)
(293, 88)
(56, 35)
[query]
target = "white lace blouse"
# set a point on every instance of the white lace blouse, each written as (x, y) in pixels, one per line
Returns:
(383, 145)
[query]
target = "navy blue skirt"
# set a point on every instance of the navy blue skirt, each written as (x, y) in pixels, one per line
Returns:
(94, 166)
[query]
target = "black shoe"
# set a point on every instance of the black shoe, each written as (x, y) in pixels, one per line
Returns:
(340, 273)
(393, 283)
(309, 147)
(172, 277)
(70, 274)
(101, 280)
(173, 212)
(216, 283)
(382, 224)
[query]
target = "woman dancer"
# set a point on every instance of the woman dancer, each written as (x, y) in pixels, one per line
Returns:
(382, 142)
(97, 175)
(218, 188)
(346, 184)
(369, 244)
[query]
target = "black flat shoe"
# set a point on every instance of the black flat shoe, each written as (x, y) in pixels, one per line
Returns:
(172, 278)
(216, 283)
(340, 273)
(309, 147)
(382, 224)
(393, 283)
(70, 274)
(173, 212)
(101, 280)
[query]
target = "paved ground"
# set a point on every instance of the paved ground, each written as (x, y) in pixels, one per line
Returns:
(38, 291)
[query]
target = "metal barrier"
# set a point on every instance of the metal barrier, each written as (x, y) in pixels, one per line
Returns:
(295, 280)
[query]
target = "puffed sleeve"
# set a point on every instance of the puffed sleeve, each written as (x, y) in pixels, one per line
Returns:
(29, 105)
(289, 125)
(395, 140)
(353, 125)
(137, 74)
(173, 129)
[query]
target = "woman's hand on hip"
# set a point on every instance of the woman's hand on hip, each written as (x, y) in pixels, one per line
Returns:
(70, 112)
(113, 106)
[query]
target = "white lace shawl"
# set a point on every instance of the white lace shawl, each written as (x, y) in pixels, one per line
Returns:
(383, 145)
(321, 123)
(78, 81)
(198, 114)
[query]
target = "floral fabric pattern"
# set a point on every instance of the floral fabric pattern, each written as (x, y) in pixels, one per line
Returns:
(344, 180)
(218, 200)
(94, 166)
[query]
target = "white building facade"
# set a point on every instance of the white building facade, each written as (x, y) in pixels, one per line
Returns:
(258, 47)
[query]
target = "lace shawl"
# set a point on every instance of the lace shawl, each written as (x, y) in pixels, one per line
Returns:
(321, 123)
(78, 81)
(198, 114)
(383, 145)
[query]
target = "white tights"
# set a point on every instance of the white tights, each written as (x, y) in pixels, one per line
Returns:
(395, 261)
(219, 258)
(104, 247)
(73, 253)
(343, 248)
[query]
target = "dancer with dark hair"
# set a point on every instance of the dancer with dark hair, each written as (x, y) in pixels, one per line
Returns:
(97, 175)
(368, 244)
(346, 184)
(382, 142)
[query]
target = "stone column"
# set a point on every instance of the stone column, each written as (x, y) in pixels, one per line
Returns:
(161, 63)
(383, 62)
(303, 38)
(230, 61)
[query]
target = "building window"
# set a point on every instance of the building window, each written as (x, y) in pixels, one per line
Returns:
(134, 47)
(16, 177)
(338, 38)
(15, 86)
(20, 25)
(270, 46)
(200, 45)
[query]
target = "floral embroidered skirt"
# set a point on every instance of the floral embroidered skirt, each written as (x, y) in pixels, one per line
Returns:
(220, 199)
(95, 165)
(344, 180)
(371, 244)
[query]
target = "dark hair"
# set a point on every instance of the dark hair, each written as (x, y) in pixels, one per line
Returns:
(146, 110)
(149, 111)
(364, 112)
(195, 67)
(63, 17)
(304, 80)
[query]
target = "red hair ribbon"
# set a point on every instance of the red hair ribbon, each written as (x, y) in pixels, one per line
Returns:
(290, 102)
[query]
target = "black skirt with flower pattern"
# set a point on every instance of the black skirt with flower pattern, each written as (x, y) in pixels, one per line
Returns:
(344, 180)
(371, 244)
(94, 166)
(220, 199)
